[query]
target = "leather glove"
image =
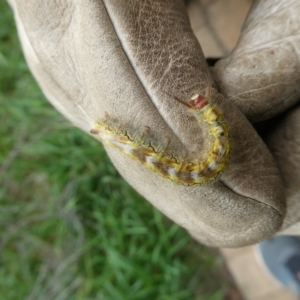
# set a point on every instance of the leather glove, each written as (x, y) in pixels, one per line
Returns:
(128, 72)
(261, 77)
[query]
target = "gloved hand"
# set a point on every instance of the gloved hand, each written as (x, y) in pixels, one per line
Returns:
(128, 73)
(261, 77)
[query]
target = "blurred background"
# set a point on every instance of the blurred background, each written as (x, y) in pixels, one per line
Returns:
(70, 226)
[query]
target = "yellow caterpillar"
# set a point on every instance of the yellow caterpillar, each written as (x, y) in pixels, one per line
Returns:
(168, 165)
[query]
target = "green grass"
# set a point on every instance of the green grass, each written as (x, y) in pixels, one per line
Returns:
(70, 226)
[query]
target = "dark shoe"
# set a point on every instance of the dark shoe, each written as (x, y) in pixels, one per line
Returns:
(280, 255)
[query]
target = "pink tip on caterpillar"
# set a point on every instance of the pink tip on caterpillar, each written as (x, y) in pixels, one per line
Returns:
(199, 102)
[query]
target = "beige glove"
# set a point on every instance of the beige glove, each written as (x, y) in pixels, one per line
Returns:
(133, 64)
(262, 78)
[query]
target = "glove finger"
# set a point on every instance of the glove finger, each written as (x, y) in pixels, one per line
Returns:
(282, 136)
(261, 75)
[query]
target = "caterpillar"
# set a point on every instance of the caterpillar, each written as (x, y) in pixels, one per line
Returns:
(170, 166)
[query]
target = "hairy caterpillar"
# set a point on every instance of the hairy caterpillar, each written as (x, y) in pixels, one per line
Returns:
(168, 165)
